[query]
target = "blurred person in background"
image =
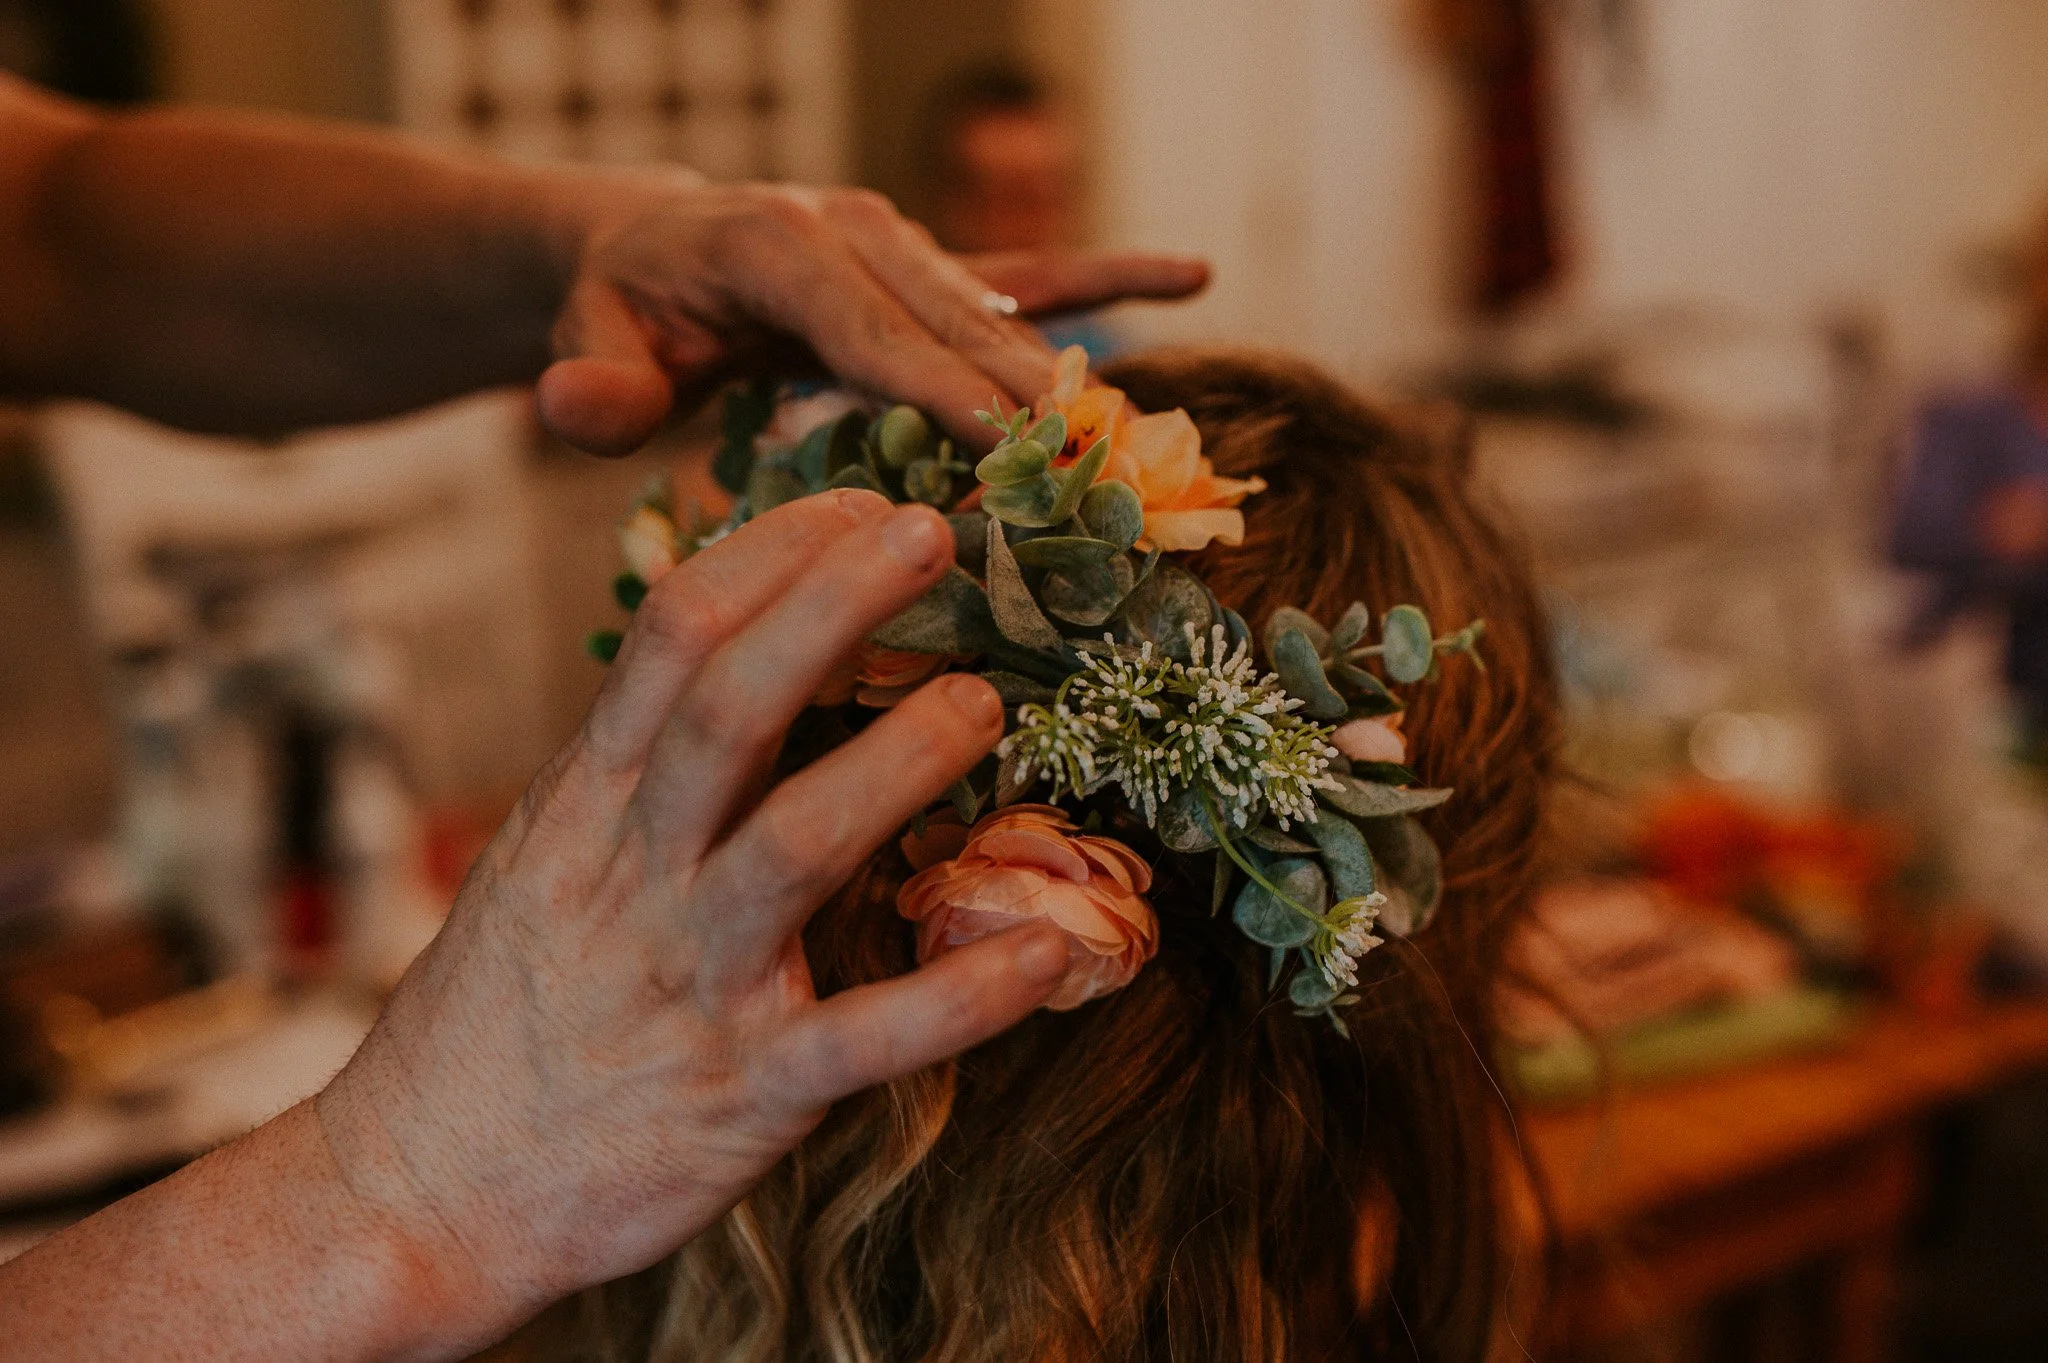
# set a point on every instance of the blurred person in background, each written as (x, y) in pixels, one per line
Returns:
(1973, 511)
(1001, 161)
(613, 1037)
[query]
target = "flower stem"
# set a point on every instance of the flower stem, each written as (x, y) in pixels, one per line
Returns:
(1244, 864)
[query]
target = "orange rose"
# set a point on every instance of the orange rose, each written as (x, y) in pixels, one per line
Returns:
(1186, 504)
(1028, 862)
(880, 676)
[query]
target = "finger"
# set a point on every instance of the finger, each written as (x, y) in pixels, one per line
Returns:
(816, 829)
(873, 1033)
(796, 273)
(731, 720)
(1045, 284)
(943, 294)
(699, 605)
(608, 393)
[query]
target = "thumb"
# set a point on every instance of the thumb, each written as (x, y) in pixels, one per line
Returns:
(608, 393)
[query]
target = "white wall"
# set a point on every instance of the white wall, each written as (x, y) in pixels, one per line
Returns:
(1784, 159)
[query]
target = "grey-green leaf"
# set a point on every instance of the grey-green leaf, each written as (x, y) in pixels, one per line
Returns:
(965, 802)
(1273, 840)
(1406, 644)
(1016, 611)
(1078, 478)
(769, 487)
(902, 435)
(1064, 553)
(1014, 463)
(1113, 512)
(1029, 504)
(1301, 672)
(1351, 627)
(1088, 597)
(1184, 827)
(1264, 918)
(927, 481)
(1373, 800)
(1288, 617)
(1018, 689)
(953, 617)
(1309, 991)
(1051, 432)
(1411, 874)
(1345, 855)
(856, 475)
(1165, 605)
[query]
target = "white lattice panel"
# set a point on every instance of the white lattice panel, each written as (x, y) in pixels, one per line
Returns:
(739, 89)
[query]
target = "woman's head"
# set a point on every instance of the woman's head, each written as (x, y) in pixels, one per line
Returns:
(1183, 1168)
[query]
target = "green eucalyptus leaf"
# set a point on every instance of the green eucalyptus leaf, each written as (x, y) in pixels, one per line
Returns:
(1165, 605)
(1028, 504)
(1235, 630)
(1351, 627)
(1301, 672)
(1345, 855)
(1411, 874)
(970, 540)
(747, 412)
(1051, 432)
(1184, 826)
(769, 487)
(1009, 464)
(603, 644)
(629, 591)
(965, 802)
(1064, 553)
(1113, 512)
(1309, 991)
(1273, 840)
(927, 481)
(953, 617)
(902, 435)
(1288, 617)
(857, 475)
(1077, 479)
(1365, 690)
(1407, 648)
(1269, 922)
(1088, 596)
(1017, 612)
(1385, 773)
(1372, 800)
(1276, 963)
(1017, 689)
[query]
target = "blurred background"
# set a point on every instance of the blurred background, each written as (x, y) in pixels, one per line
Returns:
(1747, 304)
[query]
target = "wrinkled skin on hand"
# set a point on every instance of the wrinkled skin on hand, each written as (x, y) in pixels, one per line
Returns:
(685, 289)
(616, 1033)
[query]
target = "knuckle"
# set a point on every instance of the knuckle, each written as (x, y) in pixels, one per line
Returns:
(862, 208)
(792, 851)
(682, 623)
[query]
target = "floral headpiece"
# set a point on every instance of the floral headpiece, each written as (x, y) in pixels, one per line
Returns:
(1140, 702)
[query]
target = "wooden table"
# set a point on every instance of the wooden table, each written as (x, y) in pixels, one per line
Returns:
(1669, 1197)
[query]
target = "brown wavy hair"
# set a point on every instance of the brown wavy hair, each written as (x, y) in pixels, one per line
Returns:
(1186, 1169)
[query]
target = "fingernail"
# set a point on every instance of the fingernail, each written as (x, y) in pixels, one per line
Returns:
(975, 699)
(915, 536)
(1042, 957)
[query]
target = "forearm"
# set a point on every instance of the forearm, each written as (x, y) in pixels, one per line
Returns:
(258, 1251)
(230, 273)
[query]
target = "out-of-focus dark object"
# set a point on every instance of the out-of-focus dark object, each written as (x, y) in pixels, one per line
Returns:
(1583, 390)
(1973, 509)
(97, 50)
(1499, 46)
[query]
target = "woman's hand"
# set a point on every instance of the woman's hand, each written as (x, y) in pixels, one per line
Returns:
(686, 284)
(615, 1035)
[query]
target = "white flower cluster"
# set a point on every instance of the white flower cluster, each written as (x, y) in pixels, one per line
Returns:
(1349, 936)
(1155, 726)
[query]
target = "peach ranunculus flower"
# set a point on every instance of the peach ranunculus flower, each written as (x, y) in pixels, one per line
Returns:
(1160, 455)
(1371, 740)
(1028, 862)
(879, 677)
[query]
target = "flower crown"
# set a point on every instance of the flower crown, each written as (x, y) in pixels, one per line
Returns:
(1139, 702)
